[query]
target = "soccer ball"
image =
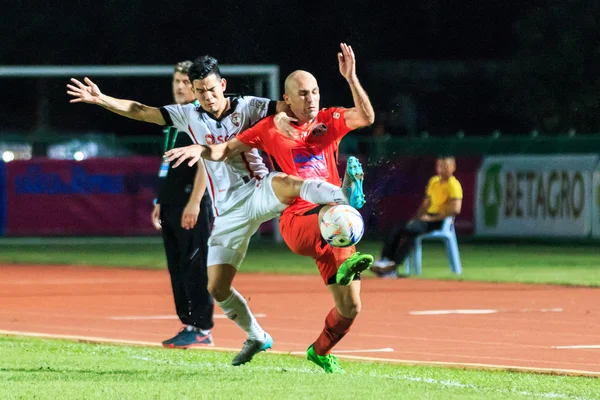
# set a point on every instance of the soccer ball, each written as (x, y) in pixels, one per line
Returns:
(342, 226)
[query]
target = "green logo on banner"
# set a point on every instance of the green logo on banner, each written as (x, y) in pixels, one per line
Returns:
(492, 195)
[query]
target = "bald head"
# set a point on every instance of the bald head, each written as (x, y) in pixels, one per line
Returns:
(296, 79)
(302, 95)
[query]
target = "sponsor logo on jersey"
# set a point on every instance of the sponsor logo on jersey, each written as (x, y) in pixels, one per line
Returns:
(211, 139)
(236, 118)
(307, 157)
(310, 163)
(336, 115)
(319, 130)
(259, 104)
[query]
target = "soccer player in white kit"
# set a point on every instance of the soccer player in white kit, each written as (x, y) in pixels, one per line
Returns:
(244, 194)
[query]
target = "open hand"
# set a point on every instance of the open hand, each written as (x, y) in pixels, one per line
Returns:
(192, 153)
(283, 122)
(347, 62)
(84, 93)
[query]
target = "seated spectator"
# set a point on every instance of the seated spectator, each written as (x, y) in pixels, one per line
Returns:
(443, 198)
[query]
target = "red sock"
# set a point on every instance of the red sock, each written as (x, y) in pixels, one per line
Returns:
(336, 327)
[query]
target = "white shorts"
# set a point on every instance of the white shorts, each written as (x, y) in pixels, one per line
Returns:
(233, 229)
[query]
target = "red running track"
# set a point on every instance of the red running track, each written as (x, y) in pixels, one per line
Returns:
(468, 324)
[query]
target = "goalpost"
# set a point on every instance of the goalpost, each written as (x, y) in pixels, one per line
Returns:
(268, 72)
(263, 73)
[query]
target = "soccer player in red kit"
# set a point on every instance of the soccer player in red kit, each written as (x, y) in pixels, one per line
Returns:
(308, 150)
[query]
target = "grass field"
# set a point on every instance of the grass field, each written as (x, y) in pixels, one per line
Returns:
(574, 265)
(54, 369)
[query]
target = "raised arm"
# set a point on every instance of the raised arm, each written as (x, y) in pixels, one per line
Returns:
(91, 94)
(362, 114)
(215, 152)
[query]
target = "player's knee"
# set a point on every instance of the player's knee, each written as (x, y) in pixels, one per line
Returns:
(351, 308)
(286, 186)
(219, 292)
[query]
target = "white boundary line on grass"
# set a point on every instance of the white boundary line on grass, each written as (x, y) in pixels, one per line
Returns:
(396, 377)
(93, 339)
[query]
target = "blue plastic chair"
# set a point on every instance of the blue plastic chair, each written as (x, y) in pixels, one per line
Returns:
(446, 233)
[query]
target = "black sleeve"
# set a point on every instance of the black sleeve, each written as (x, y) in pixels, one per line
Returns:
(166, 116)
(271, 108)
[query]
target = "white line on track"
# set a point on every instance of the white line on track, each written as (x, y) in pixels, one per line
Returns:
(383, 350)
(155, 317)
(349, 357)
(590, 346)
(483, 311)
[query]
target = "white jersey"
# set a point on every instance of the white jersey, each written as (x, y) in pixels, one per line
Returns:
(224, 179)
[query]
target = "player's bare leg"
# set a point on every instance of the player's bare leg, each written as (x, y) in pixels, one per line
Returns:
(235, 307)
(287, 188)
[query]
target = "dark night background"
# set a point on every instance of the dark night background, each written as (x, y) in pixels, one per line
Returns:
(512, 66)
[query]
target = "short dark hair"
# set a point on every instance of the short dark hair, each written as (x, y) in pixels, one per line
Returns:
(446, 157)
(204, 66)
(183, 67)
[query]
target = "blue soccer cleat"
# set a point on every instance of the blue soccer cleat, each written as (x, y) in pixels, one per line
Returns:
(352, 185)
(251, 348)
(189, 337)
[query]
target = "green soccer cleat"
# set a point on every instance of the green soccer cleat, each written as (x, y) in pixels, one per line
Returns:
(329, 363)
(352, 186)
(354, 264)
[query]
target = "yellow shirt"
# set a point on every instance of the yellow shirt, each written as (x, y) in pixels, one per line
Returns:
(441, 193)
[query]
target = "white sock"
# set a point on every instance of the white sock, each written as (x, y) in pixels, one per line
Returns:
(237, 310)
(192, 328)
(320, 192)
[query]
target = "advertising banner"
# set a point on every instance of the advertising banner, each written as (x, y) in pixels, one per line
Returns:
(535, 196)
(104, 196)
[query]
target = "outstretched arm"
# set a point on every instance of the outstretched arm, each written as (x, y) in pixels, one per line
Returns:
(91, 94)
(215, 152)
(362, 114)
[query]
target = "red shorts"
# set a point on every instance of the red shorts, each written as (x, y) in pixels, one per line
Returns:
(302, 235)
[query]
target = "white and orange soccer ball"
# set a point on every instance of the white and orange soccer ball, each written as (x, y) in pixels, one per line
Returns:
(342, 226)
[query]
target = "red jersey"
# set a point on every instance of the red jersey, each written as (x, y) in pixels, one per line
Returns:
(311, 155)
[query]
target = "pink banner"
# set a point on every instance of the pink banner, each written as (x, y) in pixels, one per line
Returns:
(109, 196)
